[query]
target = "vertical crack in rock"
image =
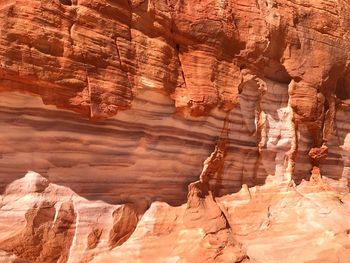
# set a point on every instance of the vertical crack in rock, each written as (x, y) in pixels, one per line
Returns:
(329, 117)
(89, 93)
(177, 48)
(125, 68)
(118, 52)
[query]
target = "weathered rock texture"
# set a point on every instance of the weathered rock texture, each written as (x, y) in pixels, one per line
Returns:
(207, 131)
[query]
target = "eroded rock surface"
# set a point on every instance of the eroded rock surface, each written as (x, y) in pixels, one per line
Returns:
(174, 131)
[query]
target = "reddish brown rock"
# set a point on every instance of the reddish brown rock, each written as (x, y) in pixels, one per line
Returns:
(93, 56)
(235, 112)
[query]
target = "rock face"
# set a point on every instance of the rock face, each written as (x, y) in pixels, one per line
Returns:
(174, 131)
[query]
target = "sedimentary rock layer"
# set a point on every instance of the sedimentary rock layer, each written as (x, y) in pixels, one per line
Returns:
(220, 108)
(270, 223)
(94, 56)
(143, 154)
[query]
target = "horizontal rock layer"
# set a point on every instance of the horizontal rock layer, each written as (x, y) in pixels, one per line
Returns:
(243, 98)
(94, 56)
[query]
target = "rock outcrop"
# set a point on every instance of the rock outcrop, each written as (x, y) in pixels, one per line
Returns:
(174, 131)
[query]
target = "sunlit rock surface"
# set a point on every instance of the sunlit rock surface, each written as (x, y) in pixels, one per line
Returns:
(174, 131)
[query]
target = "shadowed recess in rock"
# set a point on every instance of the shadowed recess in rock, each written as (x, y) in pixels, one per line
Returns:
(144, 154)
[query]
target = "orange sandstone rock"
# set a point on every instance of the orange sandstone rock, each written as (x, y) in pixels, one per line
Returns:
(208, 131)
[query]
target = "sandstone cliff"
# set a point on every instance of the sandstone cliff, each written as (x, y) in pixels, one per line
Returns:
(174, 131)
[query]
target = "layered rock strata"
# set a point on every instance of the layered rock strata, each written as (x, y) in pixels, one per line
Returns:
(235, 112)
